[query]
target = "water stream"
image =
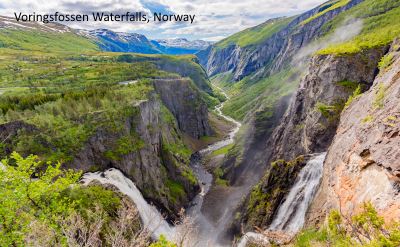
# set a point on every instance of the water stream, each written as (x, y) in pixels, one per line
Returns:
(290, 216)
(151, 217)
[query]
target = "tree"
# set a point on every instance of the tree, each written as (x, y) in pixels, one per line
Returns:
(31, 191)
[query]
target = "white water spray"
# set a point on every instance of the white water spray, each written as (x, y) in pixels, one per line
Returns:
(291, 214)
(152, 220)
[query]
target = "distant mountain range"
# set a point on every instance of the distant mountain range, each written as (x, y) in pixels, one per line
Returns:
(109, 40)
(133, 42)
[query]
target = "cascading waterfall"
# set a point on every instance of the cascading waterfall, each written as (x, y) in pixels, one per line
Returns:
(291, 214)
(152, 219)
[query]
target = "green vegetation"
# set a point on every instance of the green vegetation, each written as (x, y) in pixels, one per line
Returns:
(176, 190)
(222, 151)
(218, 173)
(163, 242)
(352, 97)
(45, 41)
(379, 97)
(331, 112)
(255, 35)
(349, 85)
(248, 93)
(364, 229)
(325, 8)
(40, 199)
(381, 24)
(367, 119)
(385, 62)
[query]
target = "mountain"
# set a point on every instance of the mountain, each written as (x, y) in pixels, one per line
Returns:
(184, 43)
(138, 43)
(314, 160)
(291, 81)
(41, 37)
(121, 42)
(108, 40)
(93, 110)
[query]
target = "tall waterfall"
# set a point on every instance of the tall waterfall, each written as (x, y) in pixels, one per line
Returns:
(152, 220)
(291, 213)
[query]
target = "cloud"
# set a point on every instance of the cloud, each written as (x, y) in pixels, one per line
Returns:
(214, 18)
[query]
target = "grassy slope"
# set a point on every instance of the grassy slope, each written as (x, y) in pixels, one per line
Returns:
(45, 41)
(62, 85)
(325, 8)
(381, 24)
(67, 89)
(255, 35)
(247, 94)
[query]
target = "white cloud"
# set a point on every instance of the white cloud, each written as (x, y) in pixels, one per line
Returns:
(214, 19)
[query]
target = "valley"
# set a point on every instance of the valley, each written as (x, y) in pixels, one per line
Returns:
(282, 134)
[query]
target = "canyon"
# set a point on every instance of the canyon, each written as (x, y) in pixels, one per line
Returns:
(257, 138)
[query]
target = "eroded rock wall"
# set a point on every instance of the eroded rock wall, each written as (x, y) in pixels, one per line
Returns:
(363, 162)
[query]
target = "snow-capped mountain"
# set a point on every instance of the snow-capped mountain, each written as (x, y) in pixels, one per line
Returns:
(11, 23)
(108, 40)
(133, 42)
(184, 43)
(121, 42)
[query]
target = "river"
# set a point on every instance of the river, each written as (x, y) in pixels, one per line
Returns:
(290, 216)
(150, 216)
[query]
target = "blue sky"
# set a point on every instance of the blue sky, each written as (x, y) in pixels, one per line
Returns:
(215, 19)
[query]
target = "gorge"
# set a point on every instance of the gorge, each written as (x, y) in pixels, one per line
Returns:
(283, 134)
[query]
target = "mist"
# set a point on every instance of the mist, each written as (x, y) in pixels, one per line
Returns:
(347, 31)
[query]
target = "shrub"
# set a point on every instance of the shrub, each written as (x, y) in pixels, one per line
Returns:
(380, 96)
(364, 229)
(354, 96)
(385, 62)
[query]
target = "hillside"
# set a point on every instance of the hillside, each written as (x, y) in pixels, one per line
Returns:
(64, 100)
(289, 80)
(283, 134)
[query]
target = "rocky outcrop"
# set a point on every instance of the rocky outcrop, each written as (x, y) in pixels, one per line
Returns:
(260, 207)
(253, 145)
(185, 103)
(144, 149)
(363, 162)
(186, 68)
(273, 53)
(309, 123)
(311, 120)
(9, 131)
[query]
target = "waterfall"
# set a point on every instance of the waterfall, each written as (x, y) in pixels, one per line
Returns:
(152, 220)
(291, 214)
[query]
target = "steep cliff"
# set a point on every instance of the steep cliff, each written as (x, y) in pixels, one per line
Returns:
(363, 162)
(265, 198)
(285, 37)
(183, 99)
(311, 120)
(148, 149)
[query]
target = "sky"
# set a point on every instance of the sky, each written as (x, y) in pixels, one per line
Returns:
(215, 19)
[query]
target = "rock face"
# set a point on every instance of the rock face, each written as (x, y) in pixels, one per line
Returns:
(185, 68)
(265, 198)
(162, 175)
(363, 162)
(273, 53)
(311, 120)
(184, 102)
